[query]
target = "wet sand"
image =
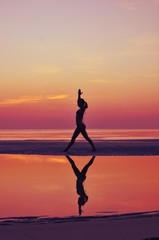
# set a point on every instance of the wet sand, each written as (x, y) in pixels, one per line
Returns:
(131, 226)
(104, 148)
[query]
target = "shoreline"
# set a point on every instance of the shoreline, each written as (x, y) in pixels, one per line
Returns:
(132, 226)
(54, 219)
(146, 147)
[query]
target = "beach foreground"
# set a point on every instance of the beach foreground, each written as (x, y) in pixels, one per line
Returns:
(81, 148)
(132, 226)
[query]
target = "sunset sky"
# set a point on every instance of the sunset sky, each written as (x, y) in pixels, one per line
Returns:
(50, 48)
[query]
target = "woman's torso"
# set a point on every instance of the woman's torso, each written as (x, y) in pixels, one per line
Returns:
(79, 117)
(79, 186)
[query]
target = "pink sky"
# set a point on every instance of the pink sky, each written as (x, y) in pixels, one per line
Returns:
(109, 49)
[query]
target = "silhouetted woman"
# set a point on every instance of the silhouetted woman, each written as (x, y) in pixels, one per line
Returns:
(81, 127)
(81, 177)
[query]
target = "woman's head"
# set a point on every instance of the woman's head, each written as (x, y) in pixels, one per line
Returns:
(82, 103)
(82, 200)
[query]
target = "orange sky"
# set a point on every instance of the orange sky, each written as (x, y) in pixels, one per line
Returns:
(109, 49)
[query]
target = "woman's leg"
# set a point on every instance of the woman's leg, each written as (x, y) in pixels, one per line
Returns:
(74, 136)
(85, 169)
(75, 169)
(85, 135)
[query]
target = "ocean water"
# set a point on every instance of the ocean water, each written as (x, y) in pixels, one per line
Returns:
(46, 185)
(65, 134)
(36, 185)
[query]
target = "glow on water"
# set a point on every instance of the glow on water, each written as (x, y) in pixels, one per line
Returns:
(46, 185)
(65, 134)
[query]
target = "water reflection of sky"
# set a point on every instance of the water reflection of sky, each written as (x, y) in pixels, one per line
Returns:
(46, 185)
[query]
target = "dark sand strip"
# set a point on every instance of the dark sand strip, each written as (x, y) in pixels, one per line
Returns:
(132, 226)
(47, 219)
(104, 148)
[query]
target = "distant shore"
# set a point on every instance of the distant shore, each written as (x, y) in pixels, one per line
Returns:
(81, 148)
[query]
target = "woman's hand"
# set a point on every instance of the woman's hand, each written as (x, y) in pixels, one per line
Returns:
(79, 92)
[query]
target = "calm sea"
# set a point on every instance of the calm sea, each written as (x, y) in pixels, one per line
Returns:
(65, 134)
(45, 185)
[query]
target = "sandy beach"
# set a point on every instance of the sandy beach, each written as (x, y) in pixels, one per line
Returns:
(107, 226)
(104, 148)
(136, 226)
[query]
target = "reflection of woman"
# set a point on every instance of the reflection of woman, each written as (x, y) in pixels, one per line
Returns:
(81, 127)
(81, 177)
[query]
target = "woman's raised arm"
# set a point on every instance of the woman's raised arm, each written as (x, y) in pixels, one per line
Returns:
(79, 95)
